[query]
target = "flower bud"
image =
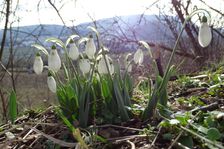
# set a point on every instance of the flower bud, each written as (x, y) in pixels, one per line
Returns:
(84, 65)
(54, 61)
(138, 56)
(51, 83)
(90, 49)
(204, 34)
(73, 52)
(38, 64)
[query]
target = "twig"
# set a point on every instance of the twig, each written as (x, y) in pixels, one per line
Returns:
(118, 139)
(153, 142)
(32, 130)
(5, 68)
(5, 27)
(10, 129)
(116, 126)
(190, 91)
(57, 141)
(209, 107)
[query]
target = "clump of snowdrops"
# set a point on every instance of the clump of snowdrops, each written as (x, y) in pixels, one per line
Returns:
(94, 89)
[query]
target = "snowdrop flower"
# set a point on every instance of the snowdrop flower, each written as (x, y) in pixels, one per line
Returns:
(51, 83)
(138, 56)
(127, 63)
(38, 64)
(111, 68)
(90, 49)
(54, 61)
(129, 68)
(102, 65)
(84, 65)
(205, 34)
(73, 52)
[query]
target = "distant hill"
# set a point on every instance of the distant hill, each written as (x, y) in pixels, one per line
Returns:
(117, 33)
(146, 28)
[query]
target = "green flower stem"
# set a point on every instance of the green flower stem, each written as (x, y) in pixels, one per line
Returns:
(107, 65)
(68, 60)
(177, 41)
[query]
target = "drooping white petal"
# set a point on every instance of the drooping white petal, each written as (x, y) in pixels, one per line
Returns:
(127, 62)
(84, 65)
(111, 68)
(204, 35)
(51, 83)
(128, 67)
(138, 56)
(73, 52)
(102, 66)
(38, 65)
(54, 61)
(90, 49)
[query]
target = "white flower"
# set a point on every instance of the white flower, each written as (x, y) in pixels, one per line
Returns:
(111, 68)
(84, 65)
(127, 63)
(51, 83)
(73, 52)
(38, 64)
(54, 61)
(90, 49)
(129, 68)
(102, 65)
(205, 34)
(138, 57)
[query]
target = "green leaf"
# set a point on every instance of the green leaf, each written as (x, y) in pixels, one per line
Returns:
(105, 90)
(40, 48)
(186, 141)
(65, 71)
(167, 136)
(65, 120)
(101, 139)
(75, 131)
(202, 129)
(119, 99)
(213, 134)
(56, 41)
(12, 106)
(164, 123)
(182, 119)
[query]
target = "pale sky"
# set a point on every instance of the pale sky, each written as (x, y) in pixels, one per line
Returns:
(76, 11)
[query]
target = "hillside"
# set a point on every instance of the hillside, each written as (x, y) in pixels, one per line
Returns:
(146, 28)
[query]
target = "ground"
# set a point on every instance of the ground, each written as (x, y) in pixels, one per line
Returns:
(196, 105)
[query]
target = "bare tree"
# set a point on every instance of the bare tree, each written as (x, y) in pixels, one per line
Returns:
(7, 13)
